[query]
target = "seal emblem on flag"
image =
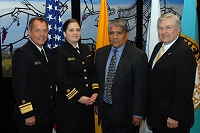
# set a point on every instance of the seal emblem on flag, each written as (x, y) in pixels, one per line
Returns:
(195, 49)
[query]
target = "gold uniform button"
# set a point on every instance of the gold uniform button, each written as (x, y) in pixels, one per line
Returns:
(51, 87)
(51, 97)
(86, 85)
(84, 70)
(85, 77)
(23, 101)
(83, 63)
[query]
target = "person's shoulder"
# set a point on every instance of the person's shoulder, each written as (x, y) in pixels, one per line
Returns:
(136, 52)
(22, 51)
(83, 45)
(28, 46)
(182, 44)
(182, 48)
(135, 49)
(23, 48)
(104, 47)
(46, 48)
(60, 47)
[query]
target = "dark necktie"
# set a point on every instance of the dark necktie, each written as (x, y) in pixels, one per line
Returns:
(110, 77)
(78, 50)
(44, 59)
(43, 55)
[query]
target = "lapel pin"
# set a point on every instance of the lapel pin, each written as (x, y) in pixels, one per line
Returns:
(169, 53)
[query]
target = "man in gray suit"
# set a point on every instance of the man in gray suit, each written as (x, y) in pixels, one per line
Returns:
(122, 90)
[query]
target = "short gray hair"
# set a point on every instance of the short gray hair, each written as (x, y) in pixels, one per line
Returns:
(119, 23)
(176, 20)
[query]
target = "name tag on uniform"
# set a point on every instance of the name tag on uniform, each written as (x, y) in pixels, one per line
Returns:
(71, 58)
(89, 55)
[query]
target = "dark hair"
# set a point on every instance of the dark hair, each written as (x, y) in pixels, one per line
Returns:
(37, 18)
(119, 23)
(67, 22)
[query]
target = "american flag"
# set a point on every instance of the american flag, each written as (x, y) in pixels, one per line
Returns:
(55, 35)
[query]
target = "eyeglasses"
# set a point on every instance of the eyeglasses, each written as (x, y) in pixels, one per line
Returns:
(167, 28)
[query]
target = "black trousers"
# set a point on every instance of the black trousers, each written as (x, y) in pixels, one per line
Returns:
(171, 130)
(109, 124)
(75, 120)
(37, 128)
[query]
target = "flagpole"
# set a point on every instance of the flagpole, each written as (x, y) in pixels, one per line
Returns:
(76, 11)
(1, 73)
(139, 42)
(1, 87)
(198, 14)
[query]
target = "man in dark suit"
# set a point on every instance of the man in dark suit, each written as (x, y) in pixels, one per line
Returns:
(122, 112)
(33, 84)
(171, 80)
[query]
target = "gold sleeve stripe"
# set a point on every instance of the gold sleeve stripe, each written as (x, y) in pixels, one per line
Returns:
(95, 86)
(25, 108)
(72, 93)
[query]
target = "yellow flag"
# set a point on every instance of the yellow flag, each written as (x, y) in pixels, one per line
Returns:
(97, 127)
(102, 32)
(102, 40)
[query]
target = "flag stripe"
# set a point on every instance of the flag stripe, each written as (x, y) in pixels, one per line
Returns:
(102, 40)
(102, 33)
(55, 36)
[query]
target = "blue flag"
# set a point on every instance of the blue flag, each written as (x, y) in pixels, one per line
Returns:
(189, 24)
(55, 35)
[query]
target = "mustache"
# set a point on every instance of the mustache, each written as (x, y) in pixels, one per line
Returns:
(116, 40)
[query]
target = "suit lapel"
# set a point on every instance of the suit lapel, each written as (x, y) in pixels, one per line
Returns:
(83, 52)
(48, 54)
(122, 62)
(72, 50)
(36, 54)
(154, 53)
(105, 58)
(164, 57)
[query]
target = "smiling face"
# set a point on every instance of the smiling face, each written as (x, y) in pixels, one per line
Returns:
(167, 31)
(73, 33)
(117, 36)
(38, 32)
